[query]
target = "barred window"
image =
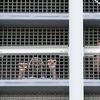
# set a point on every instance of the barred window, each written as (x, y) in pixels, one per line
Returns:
(34, 97)
(9, 66)
(90, 6)
(14, 36)
(42, 6)
(92, 67)
(91, 36)
(92, 97)
(45, 97)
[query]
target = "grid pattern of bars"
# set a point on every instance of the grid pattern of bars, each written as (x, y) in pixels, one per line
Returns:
(11, 36)
(44, 6)
(34, 98)
(50, 97)
(9, 66)
(91, 36)
(90, 6)
(92, 67)
(95, 97)
(36, 6)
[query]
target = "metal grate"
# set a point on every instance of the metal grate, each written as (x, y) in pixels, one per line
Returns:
(92, 67)
(44, 97)
(36, 6)
(48, 97)
(9, 66)
(91, 36)
(92, 97)
(11, 36)
(90, 6)
(44, 6)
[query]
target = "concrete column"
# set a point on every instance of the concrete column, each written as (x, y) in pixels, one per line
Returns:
(76, 50)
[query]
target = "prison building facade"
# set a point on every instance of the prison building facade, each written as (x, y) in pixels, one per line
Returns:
(40, 29)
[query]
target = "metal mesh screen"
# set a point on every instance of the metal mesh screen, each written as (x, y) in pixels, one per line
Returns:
(51, 97)
(94, 97)
(90, 6)
(41, 6)
(92, 67)
(9, 66)
(11, 36)
(91, 36)
(44, 6)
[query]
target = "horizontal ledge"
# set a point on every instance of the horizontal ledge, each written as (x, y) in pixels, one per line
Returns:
(88, 16)
(91, 19)
(44, 16)
(45, 19)
(34, 19)
(45, 82)
(88, 50)
(44, 86)
(34, 50)
(60, 50)
(33, 86)
(33, 16)
(33, 82)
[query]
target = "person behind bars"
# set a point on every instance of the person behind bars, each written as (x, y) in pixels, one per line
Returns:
(97, 61)
(52, 66)
(37, 63)
(22, 69)
(98, 42)
(98, 57)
